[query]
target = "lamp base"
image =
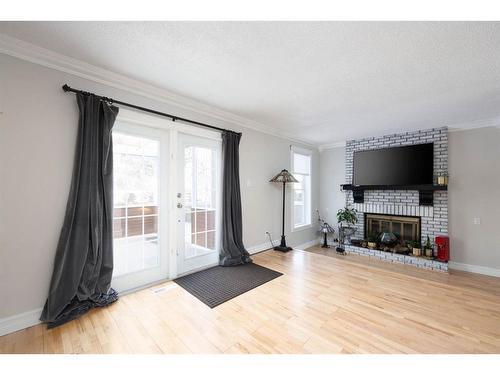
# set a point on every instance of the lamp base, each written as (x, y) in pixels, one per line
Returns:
(325, 242)
(283, 249)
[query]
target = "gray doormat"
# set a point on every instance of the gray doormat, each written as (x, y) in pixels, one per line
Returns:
(218, 284)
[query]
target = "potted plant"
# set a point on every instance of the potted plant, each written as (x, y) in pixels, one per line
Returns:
(372, 241)
(409, 245)
(416, 248)
(347, 215)
(429, 251)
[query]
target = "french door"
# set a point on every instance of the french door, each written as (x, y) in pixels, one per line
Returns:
(166, 201)
(197, 202)
(140, 212)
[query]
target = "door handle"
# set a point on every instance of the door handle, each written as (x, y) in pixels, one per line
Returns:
(179, 205)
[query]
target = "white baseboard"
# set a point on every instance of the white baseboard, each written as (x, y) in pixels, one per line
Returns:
(20, 321)
(475, 269)
(266, 246)
(304, 246)
(259, 248)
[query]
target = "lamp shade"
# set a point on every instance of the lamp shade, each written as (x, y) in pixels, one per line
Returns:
(326, 228)
(283, 176)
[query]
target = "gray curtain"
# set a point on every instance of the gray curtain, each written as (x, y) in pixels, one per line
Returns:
(83, 265)
(232, 249)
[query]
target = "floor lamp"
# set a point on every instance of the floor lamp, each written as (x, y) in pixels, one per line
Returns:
(283, 177)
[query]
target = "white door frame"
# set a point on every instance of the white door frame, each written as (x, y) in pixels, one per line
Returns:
(135, 121)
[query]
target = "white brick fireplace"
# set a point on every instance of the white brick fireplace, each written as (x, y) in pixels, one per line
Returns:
(434, 219)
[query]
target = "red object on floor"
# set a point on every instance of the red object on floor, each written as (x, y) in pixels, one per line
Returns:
(443, 248)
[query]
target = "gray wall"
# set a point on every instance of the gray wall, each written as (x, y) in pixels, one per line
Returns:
(37, 139)
(332, 167)
(473, 192)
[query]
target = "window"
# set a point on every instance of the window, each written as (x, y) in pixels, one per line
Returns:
(301, 191)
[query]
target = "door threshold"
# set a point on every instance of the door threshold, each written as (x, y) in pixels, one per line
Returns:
(197, 270)
(161, 281)
(142, 287)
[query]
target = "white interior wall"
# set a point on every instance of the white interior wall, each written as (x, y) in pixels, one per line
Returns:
(332, 175)
(38, 124)
(474, 192)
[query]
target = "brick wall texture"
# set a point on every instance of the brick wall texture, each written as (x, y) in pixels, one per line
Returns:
(430, 225)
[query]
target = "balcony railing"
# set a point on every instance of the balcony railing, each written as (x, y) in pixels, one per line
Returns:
(132, 221)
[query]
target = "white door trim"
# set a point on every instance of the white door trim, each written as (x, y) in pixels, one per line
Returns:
(144, 119)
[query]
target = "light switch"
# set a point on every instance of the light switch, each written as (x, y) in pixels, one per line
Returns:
(476, 221)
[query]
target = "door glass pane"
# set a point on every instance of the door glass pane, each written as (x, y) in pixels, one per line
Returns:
(200, 200)
(135, 215)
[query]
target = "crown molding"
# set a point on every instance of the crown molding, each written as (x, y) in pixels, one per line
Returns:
(328, 146)
(475, 124)
(38, 55)
(493, 122)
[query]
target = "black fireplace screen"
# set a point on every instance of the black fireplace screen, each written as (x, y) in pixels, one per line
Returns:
(406, 228)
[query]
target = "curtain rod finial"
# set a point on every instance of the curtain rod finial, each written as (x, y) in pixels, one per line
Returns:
(66, 88)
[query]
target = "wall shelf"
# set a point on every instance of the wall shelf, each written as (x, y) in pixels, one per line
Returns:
(425, 192)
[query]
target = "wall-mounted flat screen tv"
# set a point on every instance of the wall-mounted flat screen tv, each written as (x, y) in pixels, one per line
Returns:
(406, 165)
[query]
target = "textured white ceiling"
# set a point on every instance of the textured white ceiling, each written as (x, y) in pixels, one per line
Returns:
(322, 82)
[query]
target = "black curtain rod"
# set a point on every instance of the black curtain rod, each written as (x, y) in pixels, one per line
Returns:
(66, 88)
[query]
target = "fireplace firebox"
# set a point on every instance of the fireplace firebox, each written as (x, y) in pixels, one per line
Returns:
(406, 228)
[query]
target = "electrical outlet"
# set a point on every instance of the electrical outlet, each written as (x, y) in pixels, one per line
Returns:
(476, 221)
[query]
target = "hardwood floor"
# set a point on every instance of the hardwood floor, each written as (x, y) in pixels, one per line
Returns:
(322, 304)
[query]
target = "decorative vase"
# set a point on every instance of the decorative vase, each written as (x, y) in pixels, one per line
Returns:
(347, 232)
(417, 251)
(428, 252)
(388, 238)
(372, 245)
